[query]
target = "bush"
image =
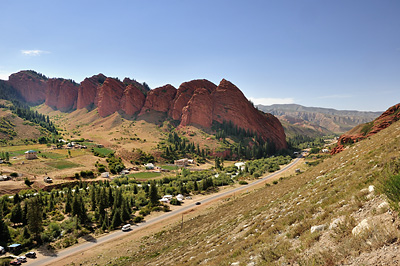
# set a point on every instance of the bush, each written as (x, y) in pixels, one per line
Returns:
(138, 219)
(242, 182)
(391, 188)
(174, 201)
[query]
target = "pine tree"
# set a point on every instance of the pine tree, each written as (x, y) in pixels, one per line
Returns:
(4, 233)
(16, 214)
(35, 216)
(153, 194)
(116, 220)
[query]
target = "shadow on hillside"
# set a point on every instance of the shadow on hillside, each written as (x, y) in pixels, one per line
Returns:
(90, 238)
(48, 251)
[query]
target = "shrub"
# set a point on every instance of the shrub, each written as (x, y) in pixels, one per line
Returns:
(242, 182)
(391, 188)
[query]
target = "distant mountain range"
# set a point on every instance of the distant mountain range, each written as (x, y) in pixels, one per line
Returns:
(322, 120)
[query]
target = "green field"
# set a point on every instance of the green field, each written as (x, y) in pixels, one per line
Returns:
(62, 164)
(52, 155)
(145, 175)
(170, 167)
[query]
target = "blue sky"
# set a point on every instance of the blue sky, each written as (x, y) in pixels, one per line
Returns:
(336, 54)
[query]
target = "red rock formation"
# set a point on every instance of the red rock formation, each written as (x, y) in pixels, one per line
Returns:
(87, 91)
(185, 93)
(133, 100)
(30, 85)
(61, 94)
(109, 97)
(138, 85)
(159, 99)
(230, 104)
(366, 130)
(199, 109)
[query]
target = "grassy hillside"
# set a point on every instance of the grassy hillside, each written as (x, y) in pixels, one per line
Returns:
(272, 226)
(16, 130)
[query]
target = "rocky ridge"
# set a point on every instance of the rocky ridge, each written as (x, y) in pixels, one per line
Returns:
(366, 130)
(197, 102)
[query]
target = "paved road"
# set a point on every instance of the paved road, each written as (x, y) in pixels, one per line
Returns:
(118, 234)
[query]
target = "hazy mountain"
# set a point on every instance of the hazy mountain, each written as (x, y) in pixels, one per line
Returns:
(337, 121)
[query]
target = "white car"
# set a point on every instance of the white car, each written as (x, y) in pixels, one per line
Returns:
(126, 227)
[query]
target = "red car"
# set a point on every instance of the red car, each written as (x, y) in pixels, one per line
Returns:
(15, 262)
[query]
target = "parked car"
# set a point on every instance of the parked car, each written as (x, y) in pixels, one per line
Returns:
(2, 250)
(198, 203)
(21, 259)
(31, 254)
(15, 262)
(126, 227)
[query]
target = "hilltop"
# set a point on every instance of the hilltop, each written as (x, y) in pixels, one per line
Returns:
(333, 213)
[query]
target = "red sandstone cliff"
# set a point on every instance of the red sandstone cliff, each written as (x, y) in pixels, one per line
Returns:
(87, 91)
(197, 102)
(185, 93)
(61, 94)
(363, 131)
(109, 97)
(159, 99)
(30, 85)
(230, 104)
(133, 100)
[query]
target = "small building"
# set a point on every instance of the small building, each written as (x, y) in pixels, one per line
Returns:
(124, 172)
(180, 197)
(240, 165)
(149, 166)
(4, 178)
(105, 174)
(31, 154)
(47, 179)
(14, 248)
(182, 162)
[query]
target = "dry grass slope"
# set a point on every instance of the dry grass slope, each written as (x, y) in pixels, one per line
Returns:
(272, 225)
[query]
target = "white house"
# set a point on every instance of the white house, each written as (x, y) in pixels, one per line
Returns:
(105, 174)
(149, 166)
(180, 197)
(240, 165)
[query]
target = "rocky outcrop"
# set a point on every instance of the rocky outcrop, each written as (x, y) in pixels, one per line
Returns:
(30, 85)
(366, 130)
(159, 99)
(61, 94)
(109, 97)
(133, 100)
(185, 93)
(87, 91)
(199, 109)
(229, 104)
(142, 87)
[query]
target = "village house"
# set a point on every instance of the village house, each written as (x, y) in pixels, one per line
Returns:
(48, 179)
(183, 162)
(31, 154)
(149, 166)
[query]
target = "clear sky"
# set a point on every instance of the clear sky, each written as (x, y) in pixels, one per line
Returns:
(342, 54)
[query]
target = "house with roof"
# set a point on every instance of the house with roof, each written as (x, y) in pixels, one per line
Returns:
(31, 154)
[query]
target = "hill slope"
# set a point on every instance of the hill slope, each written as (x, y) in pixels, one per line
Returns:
(272, 226)
(336, 121)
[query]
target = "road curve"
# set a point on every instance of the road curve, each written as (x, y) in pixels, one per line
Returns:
(47, 260)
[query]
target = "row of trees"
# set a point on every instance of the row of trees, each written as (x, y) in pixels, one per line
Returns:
(26, 113)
